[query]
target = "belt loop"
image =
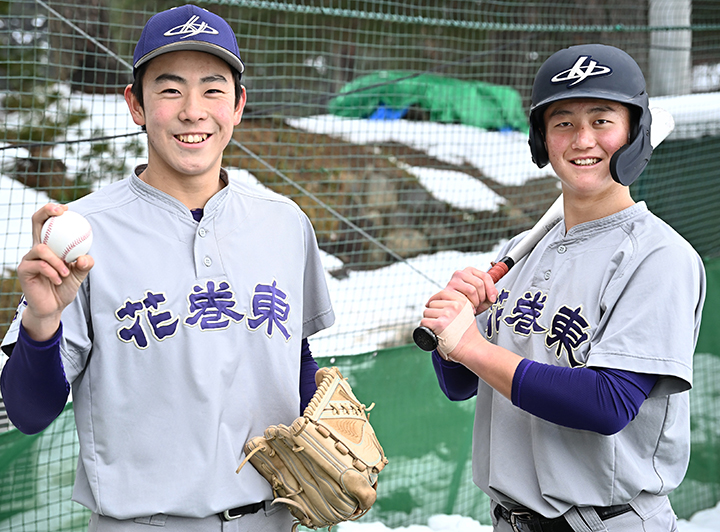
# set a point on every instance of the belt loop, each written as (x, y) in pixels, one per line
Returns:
(584, 519)
(271, 508)
(154, 520)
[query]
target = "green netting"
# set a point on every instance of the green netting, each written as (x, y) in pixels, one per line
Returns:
(701, 487)
(679, 186)
(426, 438)
(397, 205)
(36, 477)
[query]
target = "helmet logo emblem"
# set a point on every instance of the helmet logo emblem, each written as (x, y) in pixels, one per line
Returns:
(190, 28)
(580, 71)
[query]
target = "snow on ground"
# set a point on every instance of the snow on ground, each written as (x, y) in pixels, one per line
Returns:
(504, 156)
(703, 521)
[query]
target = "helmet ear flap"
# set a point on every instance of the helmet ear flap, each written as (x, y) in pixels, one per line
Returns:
(630, 161)
(538, 150)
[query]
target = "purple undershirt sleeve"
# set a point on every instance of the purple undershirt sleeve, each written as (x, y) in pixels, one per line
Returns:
(33, 383)
(308, 368)
(456, 381)
(599, 400)
(35, 390)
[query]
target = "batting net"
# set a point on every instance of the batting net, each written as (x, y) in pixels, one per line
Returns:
(400, 129)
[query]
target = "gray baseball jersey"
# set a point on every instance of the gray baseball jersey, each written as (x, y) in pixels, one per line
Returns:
(623, 292)
(184, 341)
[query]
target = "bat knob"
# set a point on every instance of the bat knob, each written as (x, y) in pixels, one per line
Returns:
(425, 339)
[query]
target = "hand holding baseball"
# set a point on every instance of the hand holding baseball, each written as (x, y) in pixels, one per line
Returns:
(68, 235)
(48, 282)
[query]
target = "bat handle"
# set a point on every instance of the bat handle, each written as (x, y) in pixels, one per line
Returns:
(499, 269)
(426, 339)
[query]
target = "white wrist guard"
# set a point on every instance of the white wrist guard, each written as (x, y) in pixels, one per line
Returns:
(449, 338)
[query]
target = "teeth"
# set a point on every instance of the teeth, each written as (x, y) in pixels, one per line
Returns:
(192, 139)
(586, 162)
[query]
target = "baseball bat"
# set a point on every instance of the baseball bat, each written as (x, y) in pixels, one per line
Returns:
(662, 125)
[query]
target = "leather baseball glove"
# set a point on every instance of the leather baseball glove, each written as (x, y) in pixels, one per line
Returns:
(325, 465)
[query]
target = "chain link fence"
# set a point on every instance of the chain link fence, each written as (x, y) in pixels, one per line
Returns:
(398, 127)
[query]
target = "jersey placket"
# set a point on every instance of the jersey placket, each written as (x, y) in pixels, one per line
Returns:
(206, 251)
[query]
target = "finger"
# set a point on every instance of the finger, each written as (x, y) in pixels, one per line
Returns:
(440, 312)
(440, 305)
(81, 267)
(53, 275)
(34, 268)
(477, 286)
(469, 284)
(432, 313)
(491, 291)
(437, 317)
(442, 296)
(40, 217)
(84, 263)
(44, 253)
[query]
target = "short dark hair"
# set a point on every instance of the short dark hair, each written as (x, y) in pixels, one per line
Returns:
(137, 87)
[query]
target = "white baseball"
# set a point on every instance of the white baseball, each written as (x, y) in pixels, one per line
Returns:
(68, 235)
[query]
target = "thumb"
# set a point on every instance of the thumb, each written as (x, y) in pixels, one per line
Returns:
(82, 266)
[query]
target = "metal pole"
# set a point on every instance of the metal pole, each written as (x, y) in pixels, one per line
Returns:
(670, 51)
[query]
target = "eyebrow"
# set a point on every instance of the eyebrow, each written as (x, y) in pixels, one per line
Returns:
(213, 78)
(561, 111)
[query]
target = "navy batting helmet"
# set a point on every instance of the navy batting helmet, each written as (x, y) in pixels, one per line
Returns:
(595, 71)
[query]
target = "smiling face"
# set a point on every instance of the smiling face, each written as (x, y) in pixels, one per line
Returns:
(581, 136)
(189, 113)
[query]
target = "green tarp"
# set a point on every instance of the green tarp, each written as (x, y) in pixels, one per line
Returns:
(443, 99)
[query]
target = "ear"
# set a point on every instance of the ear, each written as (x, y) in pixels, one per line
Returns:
(240, 107)
(136, 110)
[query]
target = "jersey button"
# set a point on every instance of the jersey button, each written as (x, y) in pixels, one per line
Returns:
(207, 261)
(562, 249)
(202, 232)
(547, 275)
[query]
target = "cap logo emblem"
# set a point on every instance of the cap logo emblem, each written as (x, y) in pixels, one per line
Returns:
(190, 28)
(580, 71)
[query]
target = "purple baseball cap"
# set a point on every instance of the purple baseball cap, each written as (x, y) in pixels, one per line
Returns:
(187, 28)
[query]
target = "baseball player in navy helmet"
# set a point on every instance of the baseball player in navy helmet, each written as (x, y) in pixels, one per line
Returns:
(581, 356)
(186, 332)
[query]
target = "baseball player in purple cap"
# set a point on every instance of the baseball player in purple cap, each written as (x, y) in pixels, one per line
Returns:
(185, 333)
(581, 355)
